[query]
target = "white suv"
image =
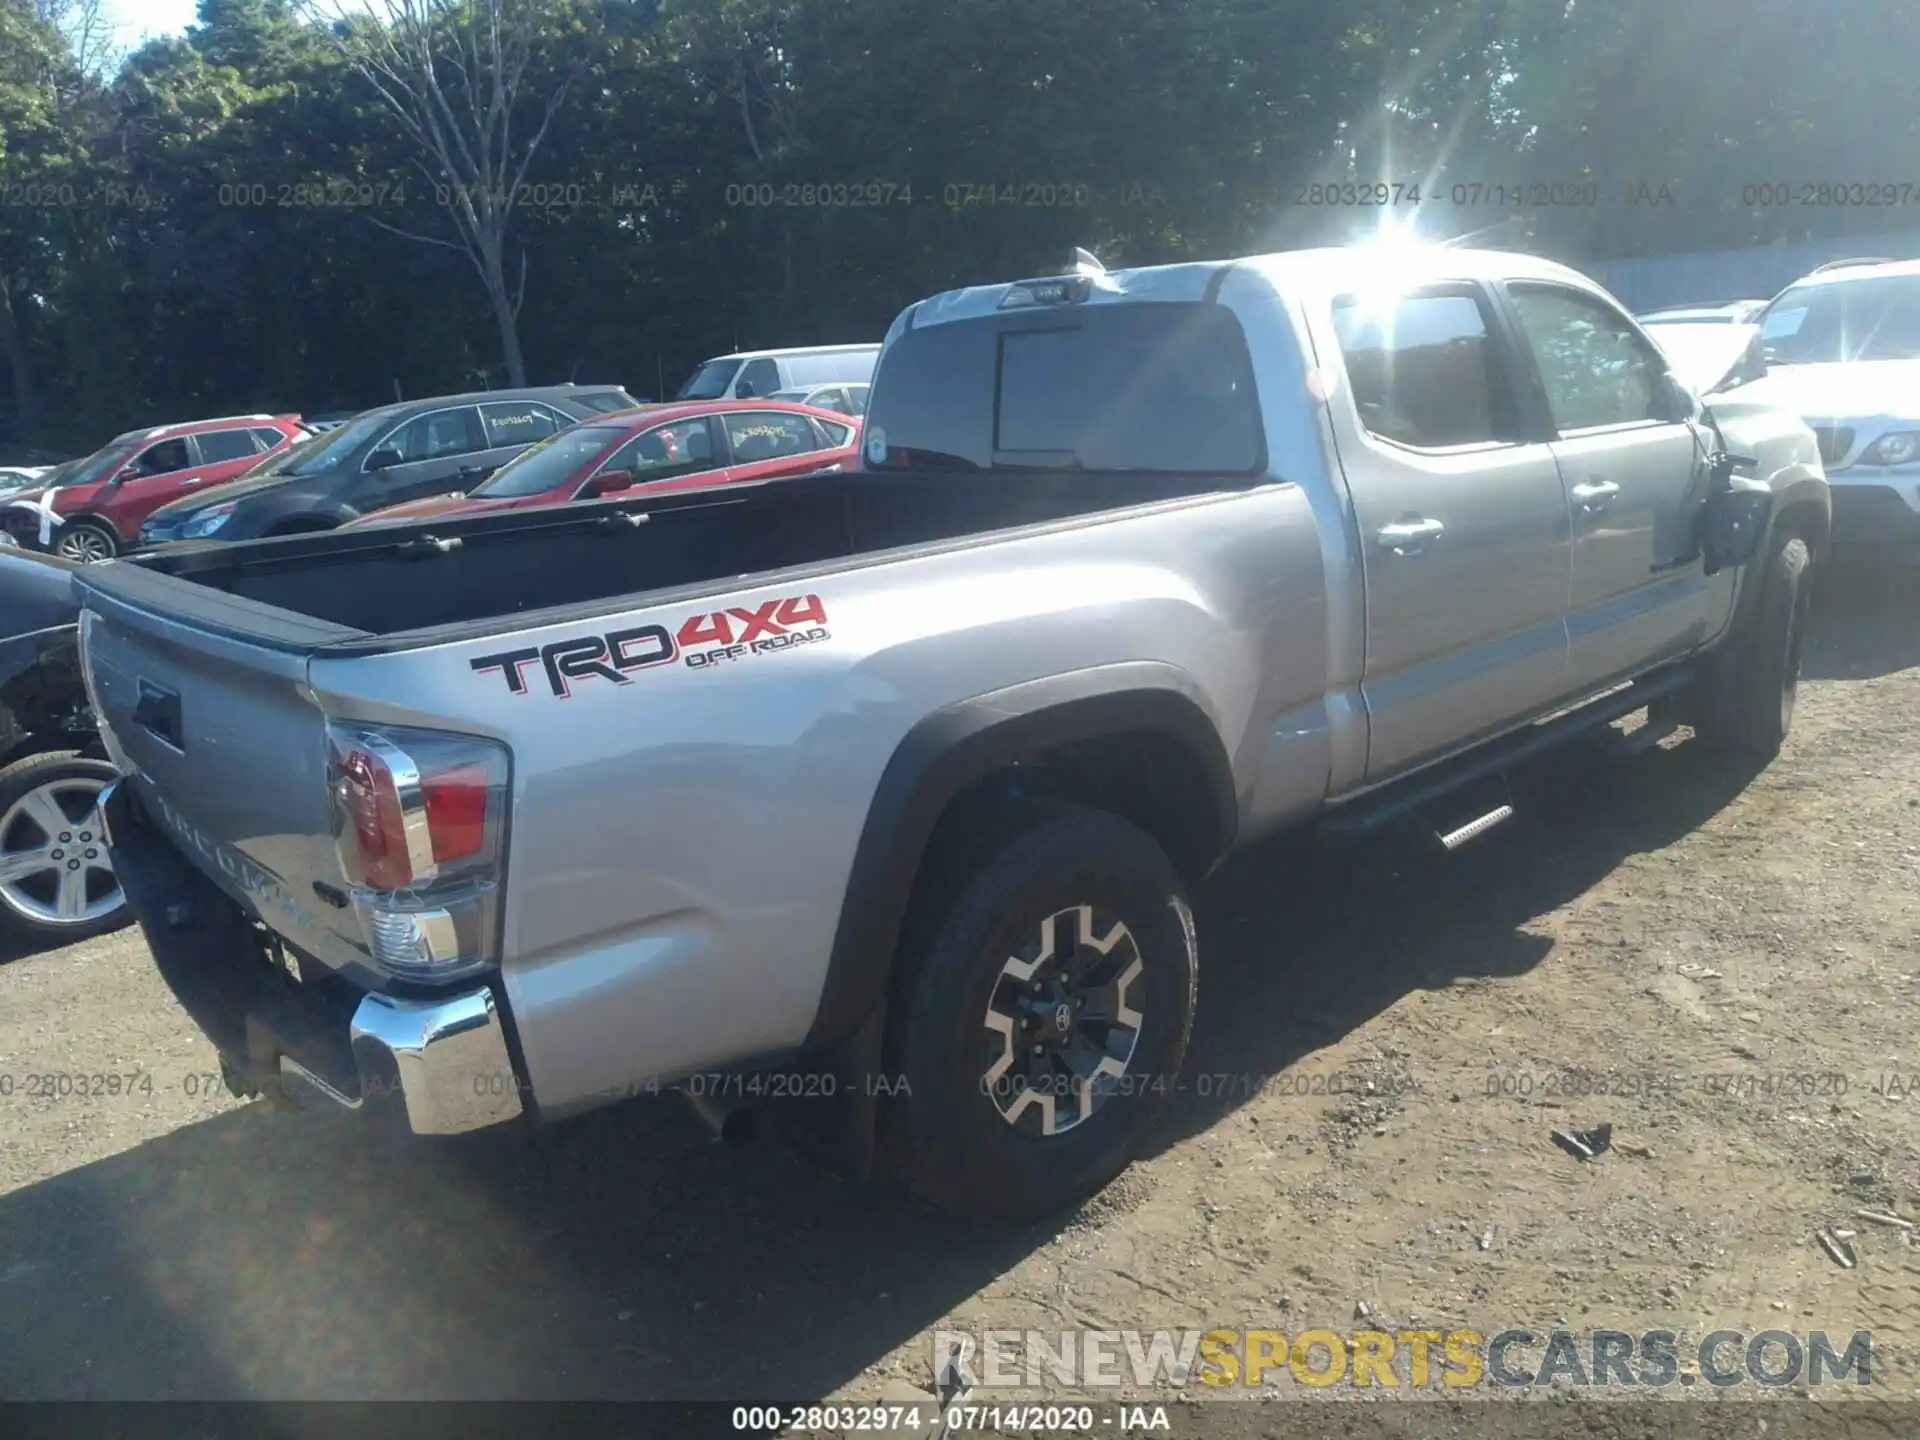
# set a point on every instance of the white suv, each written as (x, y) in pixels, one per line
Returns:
(1842, 347)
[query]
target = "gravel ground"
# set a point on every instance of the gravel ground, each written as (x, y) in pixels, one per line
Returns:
(1389, 1039)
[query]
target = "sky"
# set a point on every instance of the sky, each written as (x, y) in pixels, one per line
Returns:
(135, 20)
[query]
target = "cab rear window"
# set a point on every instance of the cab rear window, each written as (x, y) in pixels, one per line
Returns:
(1159, 388)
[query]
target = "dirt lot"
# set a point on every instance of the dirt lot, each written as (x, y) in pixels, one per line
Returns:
(1664, 916)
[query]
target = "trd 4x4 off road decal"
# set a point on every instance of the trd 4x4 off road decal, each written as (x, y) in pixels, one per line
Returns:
(700, 642)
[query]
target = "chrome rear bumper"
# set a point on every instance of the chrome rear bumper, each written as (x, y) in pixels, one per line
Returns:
(446, 1057)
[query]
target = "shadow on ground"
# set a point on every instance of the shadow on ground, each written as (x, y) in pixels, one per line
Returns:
(625, 1256)
(1865, 621)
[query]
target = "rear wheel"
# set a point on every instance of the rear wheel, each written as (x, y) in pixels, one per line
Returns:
(86, 542)
(56, 880)
(1041, 1017)
(1748, 696)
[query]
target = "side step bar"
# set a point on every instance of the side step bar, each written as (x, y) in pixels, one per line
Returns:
(1369, 814)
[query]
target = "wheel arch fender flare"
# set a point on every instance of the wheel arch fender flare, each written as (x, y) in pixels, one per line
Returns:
(951, 749)
(91, 518)
(1801, 507)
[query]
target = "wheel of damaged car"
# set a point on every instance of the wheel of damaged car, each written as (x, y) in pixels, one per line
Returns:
(56, 880)
(1041, 1017)
(86, 543)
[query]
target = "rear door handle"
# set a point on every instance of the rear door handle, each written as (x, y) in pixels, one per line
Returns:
(1407, 537)
(1593, 495)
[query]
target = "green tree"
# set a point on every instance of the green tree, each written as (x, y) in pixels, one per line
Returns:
(41, 153)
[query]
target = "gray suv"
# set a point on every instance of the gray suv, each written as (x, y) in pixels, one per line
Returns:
(383, 457)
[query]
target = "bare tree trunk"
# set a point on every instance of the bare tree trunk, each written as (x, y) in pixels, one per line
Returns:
(450, 74)
(506, 314)
(14, 345)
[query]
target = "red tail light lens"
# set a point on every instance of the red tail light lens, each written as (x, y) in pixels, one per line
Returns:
(456, 802)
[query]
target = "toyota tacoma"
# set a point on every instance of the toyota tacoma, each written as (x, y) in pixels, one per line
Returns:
(901, 778)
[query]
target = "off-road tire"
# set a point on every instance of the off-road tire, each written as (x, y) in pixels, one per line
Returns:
(946, 1134)
(1746, 699)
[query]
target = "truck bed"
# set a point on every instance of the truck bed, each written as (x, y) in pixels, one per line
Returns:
(411, 583)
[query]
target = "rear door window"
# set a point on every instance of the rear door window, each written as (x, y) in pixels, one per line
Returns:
(1158, 388)
(268, 439)
(217, 446)
(516, 423)
(1423, 369)
(436, 435)
(757, 435)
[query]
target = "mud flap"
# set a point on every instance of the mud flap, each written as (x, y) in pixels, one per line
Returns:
(841, 1130)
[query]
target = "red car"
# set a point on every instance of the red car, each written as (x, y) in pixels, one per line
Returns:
(93, 512)
(651, 449)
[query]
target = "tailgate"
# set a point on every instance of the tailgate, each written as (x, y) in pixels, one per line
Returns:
(224, 742)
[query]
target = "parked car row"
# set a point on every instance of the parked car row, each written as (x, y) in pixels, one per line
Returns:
(251, 476)
(247, 477)
(94, 508)
(379, 458)
(657, 449)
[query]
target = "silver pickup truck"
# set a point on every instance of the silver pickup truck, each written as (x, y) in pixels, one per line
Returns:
(895, 782)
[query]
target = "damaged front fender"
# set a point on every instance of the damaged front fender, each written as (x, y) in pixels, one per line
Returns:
(43, 698)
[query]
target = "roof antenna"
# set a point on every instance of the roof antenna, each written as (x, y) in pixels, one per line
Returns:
(1085, 262)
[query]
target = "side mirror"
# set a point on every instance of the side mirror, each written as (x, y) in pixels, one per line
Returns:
(606, 482)
(472, 475)
(1735, 524)
(383, 459)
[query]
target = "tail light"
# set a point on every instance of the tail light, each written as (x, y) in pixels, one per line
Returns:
(420, 819)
